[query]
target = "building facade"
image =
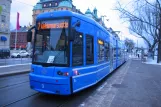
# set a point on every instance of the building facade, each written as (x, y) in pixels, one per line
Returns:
(21, 38)
(93, 14)
(5, 6)
(53, 5)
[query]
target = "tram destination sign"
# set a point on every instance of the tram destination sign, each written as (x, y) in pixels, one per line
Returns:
(56, 25)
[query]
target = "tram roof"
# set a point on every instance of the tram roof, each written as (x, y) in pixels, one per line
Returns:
(66, 13)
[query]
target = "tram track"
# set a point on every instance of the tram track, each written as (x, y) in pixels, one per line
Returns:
(13, 77)
(52, 100)
(20, 100)
(13, 85)
(13, 81)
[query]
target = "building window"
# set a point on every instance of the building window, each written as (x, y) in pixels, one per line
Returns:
(100, 50)
(3, 18)
(77, 49)
(89, 50)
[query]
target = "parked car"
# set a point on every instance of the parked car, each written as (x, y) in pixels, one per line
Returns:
(30, 54)
(20, 54)
(4, 53)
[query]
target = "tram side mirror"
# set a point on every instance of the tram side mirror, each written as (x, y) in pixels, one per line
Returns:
(73, 31)
(29, 36)
(77, 24)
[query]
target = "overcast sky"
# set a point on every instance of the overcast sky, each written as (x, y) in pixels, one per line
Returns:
(24, 7)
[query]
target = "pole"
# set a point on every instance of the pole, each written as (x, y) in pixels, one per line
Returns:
(137, 44)
(16, 39)
(137, 48)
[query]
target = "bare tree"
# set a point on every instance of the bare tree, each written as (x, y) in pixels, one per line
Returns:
(145, 21)
(129, 44)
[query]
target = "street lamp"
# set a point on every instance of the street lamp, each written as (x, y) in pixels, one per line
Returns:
(119, 34)
(103, 17)
(107, 19)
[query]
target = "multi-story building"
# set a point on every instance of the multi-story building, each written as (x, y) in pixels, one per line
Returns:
(53, 5)
(21, 42)
(5, 23)
(94, 16)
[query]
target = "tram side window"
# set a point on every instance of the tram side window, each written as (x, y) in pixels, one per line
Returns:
(122, 53)
(77, 49)
(100, 51)
(107, 51)
(119, 52)
(89, 50)
(114, 53)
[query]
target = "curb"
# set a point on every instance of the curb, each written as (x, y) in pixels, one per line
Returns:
(15, 65)
(14, 73)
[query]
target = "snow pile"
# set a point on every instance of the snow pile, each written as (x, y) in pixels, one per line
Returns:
(151, 61)
(132, 56)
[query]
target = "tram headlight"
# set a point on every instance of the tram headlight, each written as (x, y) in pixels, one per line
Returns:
(62, 73)
(76, 72)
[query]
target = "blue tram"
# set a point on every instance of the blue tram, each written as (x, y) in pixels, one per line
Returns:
(71, 52)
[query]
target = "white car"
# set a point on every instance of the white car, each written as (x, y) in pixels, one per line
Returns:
(20, 54)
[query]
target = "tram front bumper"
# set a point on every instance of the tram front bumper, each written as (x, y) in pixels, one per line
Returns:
(50, 85)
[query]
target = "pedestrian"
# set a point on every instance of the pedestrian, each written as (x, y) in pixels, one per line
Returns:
(138, 55)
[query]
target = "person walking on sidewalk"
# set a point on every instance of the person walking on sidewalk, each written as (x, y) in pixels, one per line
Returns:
(138, 55)
(142, 54)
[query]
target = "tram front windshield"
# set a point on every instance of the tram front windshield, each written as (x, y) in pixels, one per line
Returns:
(51, 42)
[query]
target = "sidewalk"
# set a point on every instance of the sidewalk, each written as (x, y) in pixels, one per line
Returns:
(141, 86)
(14, 69)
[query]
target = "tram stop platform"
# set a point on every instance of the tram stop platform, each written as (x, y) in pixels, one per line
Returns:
(141, 86)
(134, 84)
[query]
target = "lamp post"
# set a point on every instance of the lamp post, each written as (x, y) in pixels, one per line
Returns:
(103, 17)
(117, 32)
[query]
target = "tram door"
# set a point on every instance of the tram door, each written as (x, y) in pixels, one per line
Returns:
(111, 58)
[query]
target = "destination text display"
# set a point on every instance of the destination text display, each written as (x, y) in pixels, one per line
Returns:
(52, 25)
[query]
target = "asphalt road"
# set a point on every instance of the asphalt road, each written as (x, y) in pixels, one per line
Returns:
(12, 61)
(15, 91)
(129, 86)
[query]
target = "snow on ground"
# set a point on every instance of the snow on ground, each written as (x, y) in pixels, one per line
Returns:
(132, 56)
(151, 61)
(148, 60)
